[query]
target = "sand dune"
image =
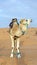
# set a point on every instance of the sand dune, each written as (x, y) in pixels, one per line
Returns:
(28, 48)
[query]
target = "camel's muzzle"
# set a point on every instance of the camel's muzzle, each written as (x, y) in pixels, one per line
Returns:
(31, 20)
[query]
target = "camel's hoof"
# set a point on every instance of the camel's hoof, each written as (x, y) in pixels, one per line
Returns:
(11, 55)
(18, 55)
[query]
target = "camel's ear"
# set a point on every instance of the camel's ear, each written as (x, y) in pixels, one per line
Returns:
(21, 20)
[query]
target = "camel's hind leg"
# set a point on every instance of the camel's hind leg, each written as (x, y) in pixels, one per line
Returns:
(12, 40)
(18, 45)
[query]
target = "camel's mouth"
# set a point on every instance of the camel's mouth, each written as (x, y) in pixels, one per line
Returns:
(31, 20)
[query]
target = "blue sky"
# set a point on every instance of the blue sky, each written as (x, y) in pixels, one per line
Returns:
(18, 9)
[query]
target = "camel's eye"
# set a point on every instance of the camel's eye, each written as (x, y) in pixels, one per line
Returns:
(26, 20)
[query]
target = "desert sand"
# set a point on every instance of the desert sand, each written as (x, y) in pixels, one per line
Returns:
(28, 48)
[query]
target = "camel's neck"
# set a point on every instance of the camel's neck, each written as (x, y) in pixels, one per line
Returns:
(23, 28)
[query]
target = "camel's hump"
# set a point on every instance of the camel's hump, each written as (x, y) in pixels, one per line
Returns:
(15, 28)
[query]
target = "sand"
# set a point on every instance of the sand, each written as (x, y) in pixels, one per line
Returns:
(28, 48)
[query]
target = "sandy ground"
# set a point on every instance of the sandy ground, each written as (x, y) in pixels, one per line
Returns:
(28, 48)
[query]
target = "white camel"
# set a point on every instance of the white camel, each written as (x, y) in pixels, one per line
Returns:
(16, 32)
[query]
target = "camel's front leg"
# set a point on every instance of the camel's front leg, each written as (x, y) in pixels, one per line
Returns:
(18, 45)
(12, 40)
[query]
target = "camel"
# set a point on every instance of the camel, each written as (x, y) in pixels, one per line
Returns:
(16, 31)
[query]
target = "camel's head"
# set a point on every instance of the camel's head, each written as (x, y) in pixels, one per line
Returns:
(24, 24)
(25, 21)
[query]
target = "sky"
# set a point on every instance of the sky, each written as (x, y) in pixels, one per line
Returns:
(18, 9)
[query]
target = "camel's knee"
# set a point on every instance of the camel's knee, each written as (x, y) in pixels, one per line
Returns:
(12, 49)
(18, 49)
